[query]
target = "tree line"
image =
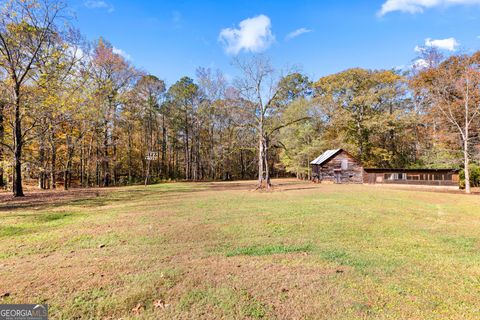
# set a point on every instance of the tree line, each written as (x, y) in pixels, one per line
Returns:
(426, 117)
(76, 113)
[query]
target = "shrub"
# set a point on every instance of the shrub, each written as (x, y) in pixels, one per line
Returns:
(474, 176)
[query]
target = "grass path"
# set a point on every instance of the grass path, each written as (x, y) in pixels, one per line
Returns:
(218, 250)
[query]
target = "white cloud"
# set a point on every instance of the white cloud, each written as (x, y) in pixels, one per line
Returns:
(418, 6)
(254, 35)
(449, 44)
(122, 53)
(76, 52)
(98, 4)
(420, 64)
(297, 33)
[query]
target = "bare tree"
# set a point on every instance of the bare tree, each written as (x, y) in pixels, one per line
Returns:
(265, 92)
(258, 86)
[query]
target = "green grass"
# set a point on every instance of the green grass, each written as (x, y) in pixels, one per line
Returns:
(224, 302)
(267, 250)
(219, 250)
(344, 258)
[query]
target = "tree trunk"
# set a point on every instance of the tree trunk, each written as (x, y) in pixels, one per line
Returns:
(212, 168)
(147, 173)
(2, 140)
(88, 161)
(41, 160)
(263, 171)
(97, 167)
(466, 161)
(129, 151)
(187, 151)
(164, 147)
(115, 164)
(466, 138)
(260, 159)
(265, 157)
(106, 167)
(65, 180)
(53, 160)
(82, 161)
(17, 150)
(242, 166)
(66, 172)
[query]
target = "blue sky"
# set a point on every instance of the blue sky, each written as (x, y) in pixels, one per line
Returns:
(171, 39)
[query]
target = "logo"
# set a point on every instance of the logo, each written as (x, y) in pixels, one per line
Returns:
(23, 312)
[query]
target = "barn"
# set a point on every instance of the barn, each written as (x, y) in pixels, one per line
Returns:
(339, 166)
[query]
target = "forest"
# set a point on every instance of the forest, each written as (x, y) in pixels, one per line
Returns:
(75, 113)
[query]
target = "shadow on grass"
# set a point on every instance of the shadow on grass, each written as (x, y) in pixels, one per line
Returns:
(93, 198)
(51, 214)
(36, 222)
(102, 197)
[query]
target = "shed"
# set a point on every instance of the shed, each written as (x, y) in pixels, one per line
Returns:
(337, 166)
(431, 177)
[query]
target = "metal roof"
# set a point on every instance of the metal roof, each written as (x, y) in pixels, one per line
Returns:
(325, 156)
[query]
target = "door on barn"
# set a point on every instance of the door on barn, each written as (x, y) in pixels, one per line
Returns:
(338, 177)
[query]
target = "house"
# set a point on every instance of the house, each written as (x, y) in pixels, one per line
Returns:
(339, 166)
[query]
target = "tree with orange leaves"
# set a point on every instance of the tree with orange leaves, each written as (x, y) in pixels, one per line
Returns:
(452, 88)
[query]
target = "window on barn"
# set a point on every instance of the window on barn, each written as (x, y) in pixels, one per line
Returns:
(344, 164)
(395, 176)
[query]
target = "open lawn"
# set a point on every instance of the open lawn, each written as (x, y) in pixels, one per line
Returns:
(219, 250)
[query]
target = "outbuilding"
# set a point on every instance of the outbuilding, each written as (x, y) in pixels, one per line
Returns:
(430, 177)
(339, 166)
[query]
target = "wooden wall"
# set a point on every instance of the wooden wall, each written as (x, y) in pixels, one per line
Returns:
(332, 171)
(413, 177)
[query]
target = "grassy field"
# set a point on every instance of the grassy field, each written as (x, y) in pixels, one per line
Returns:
(219, 250)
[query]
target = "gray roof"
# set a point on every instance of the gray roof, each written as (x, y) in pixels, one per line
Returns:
(325, 156)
